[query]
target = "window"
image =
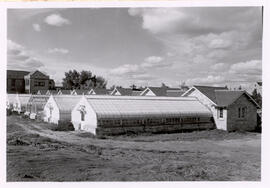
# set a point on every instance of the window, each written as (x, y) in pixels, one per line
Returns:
(39, 83)
(13, 81)
(220, 113)
(82, 116)
(26, 82)
(242, 112)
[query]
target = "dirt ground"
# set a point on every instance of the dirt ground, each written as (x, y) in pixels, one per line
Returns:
(37, 153)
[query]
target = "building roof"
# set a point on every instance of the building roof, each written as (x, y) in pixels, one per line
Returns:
(173, 88)
(16, 74)
(24, 98)
(123, 91)
(66, 102)
(40, 72)
(136, 93)
(100, 91)
(175, 93)
(209, 91)
(51, 92)
(158, 91)
(64, 92)
(259, 83)
(38, 99)
(129, 106)
(12, 98)
(42, 92)
(225, 98)
(80, 91)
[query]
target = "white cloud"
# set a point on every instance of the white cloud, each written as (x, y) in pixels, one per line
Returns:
(197, 21)
(56, 20)
(219, 43)
(155, 62)
(158, 20)
(248, 67)
(206, 80)
(126, 69)
(36, 27)
(153, 59)
(143, 77)
(140, 70)
(18, 57)
(13, 45)
(218, 66)
(58, 50)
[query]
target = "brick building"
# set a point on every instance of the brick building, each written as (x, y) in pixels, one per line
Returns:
(15, 81)
(28, 82)
(232, 110)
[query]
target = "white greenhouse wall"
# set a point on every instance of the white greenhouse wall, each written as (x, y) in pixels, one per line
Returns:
(220, 124)
(117, 93)
(90, 122)
(149, 93)
(55, 112)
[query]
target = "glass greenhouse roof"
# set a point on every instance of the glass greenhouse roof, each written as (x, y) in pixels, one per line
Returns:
(11, 98)
(66, 102)
(128, 106)
(24, 98)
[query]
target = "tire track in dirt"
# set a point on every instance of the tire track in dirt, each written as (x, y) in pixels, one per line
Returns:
(156, 146)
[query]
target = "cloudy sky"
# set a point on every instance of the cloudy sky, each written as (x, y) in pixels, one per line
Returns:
(142, 46)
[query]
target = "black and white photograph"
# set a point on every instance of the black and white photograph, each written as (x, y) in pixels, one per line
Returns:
(134, 94)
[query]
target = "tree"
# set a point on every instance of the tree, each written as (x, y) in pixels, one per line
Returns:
(82, 80)
(163, 85)
(71, 80)
(133, 87)
(257, 97)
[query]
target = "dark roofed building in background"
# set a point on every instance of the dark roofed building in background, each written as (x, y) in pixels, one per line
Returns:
(175, 92)
(154, 91)
(163, 91)
(80, 92)
(122, 91)
(99, 91)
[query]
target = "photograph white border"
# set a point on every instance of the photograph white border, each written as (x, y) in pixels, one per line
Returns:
(265, 163)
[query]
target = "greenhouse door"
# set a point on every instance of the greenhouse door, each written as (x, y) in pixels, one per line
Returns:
(50, 115)
(82, 119)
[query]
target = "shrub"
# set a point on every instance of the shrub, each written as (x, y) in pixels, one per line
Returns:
(64, 125)
(9, 112)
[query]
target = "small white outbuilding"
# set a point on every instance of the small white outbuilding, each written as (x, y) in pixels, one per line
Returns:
(59, 107)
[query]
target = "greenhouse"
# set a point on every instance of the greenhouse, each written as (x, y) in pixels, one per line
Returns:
(36, 105)
(58, 108)
(11, 101)
(21, 102)
(104, 115)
